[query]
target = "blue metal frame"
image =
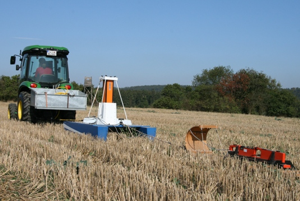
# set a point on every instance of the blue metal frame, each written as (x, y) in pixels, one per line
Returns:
(101, 131)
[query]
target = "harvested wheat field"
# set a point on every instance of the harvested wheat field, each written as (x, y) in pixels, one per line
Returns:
(45, 162)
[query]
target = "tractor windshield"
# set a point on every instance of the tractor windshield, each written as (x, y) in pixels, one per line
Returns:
(48, 70)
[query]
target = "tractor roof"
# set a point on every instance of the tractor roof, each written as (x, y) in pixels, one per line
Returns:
(42, 48)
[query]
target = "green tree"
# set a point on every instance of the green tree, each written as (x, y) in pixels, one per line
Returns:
(76, 86)
(171, 97)
(207, 98)
(282, 102)
(258, 88)
(296, 92)
(249, 89)
(234, 87)
(9, 88)
(212, 76)
(136, 98)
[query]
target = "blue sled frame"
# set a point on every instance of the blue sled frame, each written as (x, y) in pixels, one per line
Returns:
(101, 131)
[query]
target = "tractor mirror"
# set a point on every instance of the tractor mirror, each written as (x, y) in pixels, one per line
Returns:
(17, 67)
(12, 59)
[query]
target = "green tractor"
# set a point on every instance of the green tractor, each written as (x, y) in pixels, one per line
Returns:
(45, 92)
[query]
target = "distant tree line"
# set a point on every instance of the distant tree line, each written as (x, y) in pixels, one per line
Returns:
(295, 91)
(221, 90)
(214, 90)
(143, 96)
(139, 96)
(157, 88)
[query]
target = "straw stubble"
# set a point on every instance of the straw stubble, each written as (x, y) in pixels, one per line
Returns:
(48, 162)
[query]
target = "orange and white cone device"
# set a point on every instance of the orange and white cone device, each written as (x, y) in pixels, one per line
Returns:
(107, 111)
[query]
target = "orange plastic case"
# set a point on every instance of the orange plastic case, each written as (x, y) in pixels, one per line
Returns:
(261, 155)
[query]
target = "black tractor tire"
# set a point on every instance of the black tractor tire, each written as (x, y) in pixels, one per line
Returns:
(24, 108)
(12, 112)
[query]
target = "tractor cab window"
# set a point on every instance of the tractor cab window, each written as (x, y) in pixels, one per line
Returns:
(23, 67)
(48, 69)
(62, 70)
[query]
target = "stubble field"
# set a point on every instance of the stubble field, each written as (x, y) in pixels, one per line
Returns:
(45, 162)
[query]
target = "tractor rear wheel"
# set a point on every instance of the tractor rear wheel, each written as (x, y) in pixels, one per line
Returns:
(12, 112)
(24, 106)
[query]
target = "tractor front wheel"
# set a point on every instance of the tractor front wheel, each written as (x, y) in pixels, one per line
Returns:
(12, 112)
(24, 106)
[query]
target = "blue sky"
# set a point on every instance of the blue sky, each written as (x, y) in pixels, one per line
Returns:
(158, 42)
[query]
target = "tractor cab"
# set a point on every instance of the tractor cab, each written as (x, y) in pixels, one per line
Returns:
(43, 65)
(45, 92)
